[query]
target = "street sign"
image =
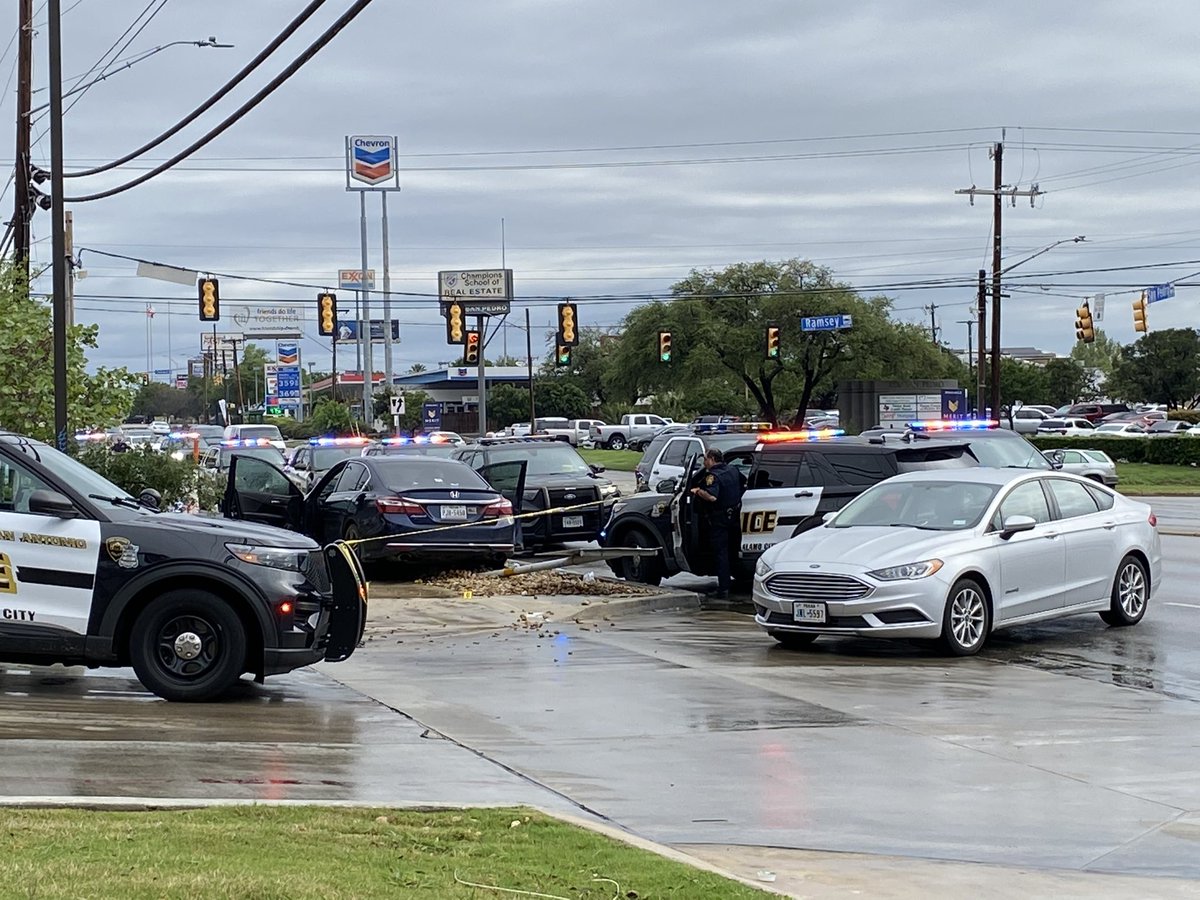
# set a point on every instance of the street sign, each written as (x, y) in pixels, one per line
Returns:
(397, 403)
(370, 161)
(1098, 307)
(1157, 292)
(351, 279)
(479, 292)
(431, 416)
(826, 323)
(347, 331)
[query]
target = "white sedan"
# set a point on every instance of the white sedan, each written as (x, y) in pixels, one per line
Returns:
(1066, 427)
(1119, 429)
(956, 554)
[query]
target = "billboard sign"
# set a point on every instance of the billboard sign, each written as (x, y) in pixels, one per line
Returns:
(370, 161)
(181, 382)
(347, 332)
(288, 353)
(268, 318)
(431, 416)
(196, 367)
(351, 279)
(224, 341)
(479, 292)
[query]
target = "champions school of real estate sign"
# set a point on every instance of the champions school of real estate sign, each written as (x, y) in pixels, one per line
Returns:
(371, 162)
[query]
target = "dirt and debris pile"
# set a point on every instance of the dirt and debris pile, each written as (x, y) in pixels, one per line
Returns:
(535, 584)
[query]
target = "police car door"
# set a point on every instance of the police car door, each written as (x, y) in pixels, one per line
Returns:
(672, 459)
(784, 489)
(48, 560)
(258, 491)
(686, 538)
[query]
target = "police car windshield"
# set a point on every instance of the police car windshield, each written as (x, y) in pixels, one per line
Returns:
(259, 432)
(549, 458)
(68, 470)
(927, 505)
(327, 457)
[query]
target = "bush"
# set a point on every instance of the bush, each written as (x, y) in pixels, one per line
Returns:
(178, 481)
(1172, 451)
(1191, 416)
(290, 428)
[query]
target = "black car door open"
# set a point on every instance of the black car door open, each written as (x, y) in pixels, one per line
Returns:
(686, 522)
(258, 491)
(508, 478)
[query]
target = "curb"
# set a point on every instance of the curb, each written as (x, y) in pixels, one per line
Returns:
(651, 603)
(151, 804)
(1179, 532)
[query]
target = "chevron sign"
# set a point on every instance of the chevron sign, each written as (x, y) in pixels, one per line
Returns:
(371, 159)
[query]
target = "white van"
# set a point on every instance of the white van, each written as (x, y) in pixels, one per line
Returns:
(269, 433)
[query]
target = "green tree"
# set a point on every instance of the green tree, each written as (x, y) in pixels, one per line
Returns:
(330, 417)
(95, 399)
(590, 363)
(1160, 367)
(560, 397)
(1067, 381)
(1021, 381)
(416, 368)
(410, 419)
(158, 400)
(1104, 353)
(508, 403)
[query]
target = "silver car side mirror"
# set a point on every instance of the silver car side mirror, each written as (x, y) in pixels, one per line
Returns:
(1017, 524)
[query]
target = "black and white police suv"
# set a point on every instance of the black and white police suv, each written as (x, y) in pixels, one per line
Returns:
(91, 576)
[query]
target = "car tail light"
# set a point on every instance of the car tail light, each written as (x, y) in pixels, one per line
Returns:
(497, 509)
(1153, 520)
(397, 506)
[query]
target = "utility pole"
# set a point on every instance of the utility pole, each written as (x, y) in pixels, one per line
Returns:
(70, 239)
(933, 329)
(22, 207)
(529, 364)
(998, 192)
(58, 239)
(981, 361)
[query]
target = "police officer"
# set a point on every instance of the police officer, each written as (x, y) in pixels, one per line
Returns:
(719, 494)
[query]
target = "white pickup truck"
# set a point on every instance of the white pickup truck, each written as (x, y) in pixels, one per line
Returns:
(634, 425)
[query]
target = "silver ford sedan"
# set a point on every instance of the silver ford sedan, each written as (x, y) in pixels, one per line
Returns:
(955, 554)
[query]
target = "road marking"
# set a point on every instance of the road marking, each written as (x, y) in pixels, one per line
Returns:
(1188, 605)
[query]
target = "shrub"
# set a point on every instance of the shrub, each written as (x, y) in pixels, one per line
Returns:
(1191, 416)
(178, 481)
(1177, 451)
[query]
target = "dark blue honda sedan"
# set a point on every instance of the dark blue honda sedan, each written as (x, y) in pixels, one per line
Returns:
(398, 507)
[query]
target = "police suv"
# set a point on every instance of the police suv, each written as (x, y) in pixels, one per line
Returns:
(793, 480)
(92, 576)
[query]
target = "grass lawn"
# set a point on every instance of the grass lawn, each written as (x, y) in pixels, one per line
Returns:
(294, 852)
(1147, 478)
(617, 460)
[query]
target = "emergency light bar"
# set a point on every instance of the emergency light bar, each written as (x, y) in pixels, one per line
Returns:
(248, 442)
(419, 439)
(776, 437)
(954, 425)
(337, 441)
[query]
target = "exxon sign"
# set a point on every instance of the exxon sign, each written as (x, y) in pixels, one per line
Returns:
(370, 159)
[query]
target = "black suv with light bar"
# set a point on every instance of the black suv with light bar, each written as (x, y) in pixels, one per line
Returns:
(793, 479)
(556, 478)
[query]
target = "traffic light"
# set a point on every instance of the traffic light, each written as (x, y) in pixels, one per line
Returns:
(1139, 314)
(210, 299)
(1085, 330)
(562, 358)
(471, 351)
(326, 314)
(772, 342)
(664, 346)
(454, 324)
(568, 332)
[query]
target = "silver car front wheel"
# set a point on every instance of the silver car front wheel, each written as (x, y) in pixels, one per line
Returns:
(1130, 593)
(966, 620)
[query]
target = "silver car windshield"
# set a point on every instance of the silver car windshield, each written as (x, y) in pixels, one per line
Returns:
(928, 505)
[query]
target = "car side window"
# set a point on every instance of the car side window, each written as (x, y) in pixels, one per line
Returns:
(16, 484)
(1073, 498)
(674, 453)
(655, 420)
(1073, 456)
(773, 473)
(859, 468)
(1103, 499)
(259, 477)
(351, 479)
(1026, 499)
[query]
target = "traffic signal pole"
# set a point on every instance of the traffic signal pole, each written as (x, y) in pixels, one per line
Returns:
(480, 322)
(58, 229)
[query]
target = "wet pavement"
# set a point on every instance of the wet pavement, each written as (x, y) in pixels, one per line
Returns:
(1066, 746)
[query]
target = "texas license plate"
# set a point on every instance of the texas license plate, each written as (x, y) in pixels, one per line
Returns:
(809, 612)
(572, 521)
(454, 514)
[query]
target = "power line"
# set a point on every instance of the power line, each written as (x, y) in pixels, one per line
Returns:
(328, 35)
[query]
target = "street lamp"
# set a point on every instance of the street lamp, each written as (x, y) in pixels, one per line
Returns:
(1078, 239)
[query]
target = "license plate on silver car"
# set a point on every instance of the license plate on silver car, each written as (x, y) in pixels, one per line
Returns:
(572, 521)
(454, 514)
(809, 612)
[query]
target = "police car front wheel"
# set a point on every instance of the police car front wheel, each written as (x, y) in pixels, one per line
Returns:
(188, 645)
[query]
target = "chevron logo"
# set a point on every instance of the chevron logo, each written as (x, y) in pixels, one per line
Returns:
(372, 160)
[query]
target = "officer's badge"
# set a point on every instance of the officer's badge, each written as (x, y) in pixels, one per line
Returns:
(709, 480)
(123, 552)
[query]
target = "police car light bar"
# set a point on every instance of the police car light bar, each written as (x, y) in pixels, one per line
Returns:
(775, 437)
(248, 442)
(336, 441)
(954, 425)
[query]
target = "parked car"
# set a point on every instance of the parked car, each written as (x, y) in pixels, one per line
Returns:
(1093, 412)
(575, 432)
(216, 460)
(1050, 411)
(1119, 429)
(309, 462)
(556, 476)
(1094, 464)
(422, 445)
(1167, 428)
(1025, 420)
(256, 433)
(641, 444)
(1066, 427)
(650, 452)
(396, 507)
(956, 555)
(633, 425)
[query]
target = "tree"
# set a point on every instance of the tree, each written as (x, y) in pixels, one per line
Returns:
(508, 403)
(411, 418)
(330, 417)
(1160, 367)
(1067, 381)
(416, 368)
(157, 400)
(1103, 354)
(1021, 381)
(590, 363)
(95, 399)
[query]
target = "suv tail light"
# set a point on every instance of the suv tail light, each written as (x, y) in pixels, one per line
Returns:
(1153, 520)
(497, 509)
(397, 506)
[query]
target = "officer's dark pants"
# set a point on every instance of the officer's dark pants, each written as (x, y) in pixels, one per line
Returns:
(718, 537)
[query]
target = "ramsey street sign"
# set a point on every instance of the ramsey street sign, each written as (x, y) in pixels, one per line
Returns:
(826, 323)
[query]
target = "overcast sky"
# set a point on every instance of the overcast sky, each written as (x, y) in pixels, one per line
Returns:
(565, 120)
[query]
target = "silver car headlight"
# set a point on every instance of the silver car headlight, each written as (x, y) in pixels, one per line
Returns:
(762, 568)
(908, 571)
(272, 557)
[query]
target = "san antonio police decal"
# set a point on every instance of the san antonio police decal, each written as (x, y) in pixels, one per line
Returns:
(123, 552)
